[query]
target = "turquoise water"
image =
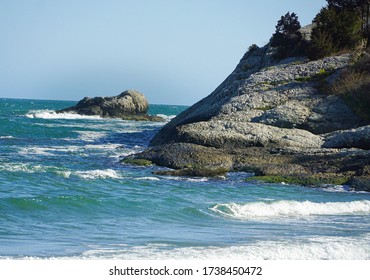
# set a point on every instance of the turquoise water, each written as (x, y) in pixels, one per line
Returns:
(64, 194)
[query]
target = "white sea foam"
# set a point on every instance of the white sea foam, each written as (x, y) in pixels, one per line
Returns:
(103, 146)
(91, 136)
(98, 174)
(35, 151)
(197, 179)
(148, 178)
(283, 208)
(49, 151)
(189, 179)
(50, 114)
(29, 168)
(21, 167)
(167, 118)
(336, 188)
(111, 150)
(64, 174)
(6, 137)
(318, 248)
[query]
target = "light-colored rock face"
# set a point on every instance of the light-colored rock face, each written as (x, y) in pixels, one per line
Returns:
(230, 135)
(280, 95)
(134, 101)
(128, 103)
(357, 138)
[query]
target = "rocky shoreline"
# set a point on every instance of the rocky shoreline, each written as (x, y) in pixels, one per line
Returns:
(273, 119)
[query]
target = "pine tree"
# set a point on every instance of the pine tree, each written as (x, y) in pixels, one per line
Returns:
(287, 37)
(335, 30)
(362, 7)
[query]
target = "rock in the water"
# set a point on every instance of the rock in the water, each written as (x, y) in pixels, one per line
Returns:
(190, 158)
(130, 104)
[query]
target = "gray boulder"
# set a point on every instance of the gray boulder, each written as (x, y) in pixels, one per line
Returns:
(129, 103)
(352, 138)
(189, 159)
(230, 135)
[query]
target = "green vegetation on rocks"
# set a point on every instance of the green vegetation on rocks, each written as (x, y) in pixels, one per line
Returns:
(137, 162)
(195, 171)
(302, 180)
(353, 85)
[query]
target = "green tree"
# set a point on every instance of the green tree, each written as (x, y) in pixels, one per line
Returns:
(287, 37)
(362, 7)
(321, 44)
(341, 4)
(335, 30)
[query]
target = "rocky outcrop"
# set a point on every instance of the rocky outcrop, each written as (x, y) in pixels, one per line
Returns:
(353, 138)
(192, 159)
(130, 105)
(259, 90)
(274, 119)
(238, 134)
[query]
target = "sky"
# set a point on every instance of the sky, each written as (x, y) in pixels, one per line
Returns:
(173, 51)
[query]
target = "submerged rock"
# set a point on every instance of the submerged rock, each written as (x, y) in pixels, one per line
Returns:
(129, 105)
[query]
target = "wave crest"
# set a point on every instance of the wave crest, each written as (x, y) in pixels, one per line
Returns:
(50, 114)
(283, 208)
(98, 174)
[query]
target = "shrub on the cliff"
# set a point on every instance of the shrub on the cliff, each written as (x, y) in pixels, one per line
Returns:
(252, 48)
(321, 45)
(354, 87)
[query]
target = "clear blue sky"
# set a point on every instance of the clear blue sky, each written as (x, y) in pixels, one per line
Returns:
(174, 51)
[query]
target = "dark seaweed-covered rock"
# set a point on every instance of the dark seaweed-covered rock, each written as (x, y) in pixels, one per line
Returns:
(188, 159)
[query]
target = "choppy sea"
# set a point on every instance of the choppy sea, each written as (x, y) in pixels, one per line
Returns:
(64, 195)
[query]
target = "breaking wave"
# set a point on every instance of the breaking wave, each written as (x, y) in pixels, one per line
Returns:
(167, 118)
(50, 114)
(283, 208)
(65, 173)
(317, 248)
(98, 174)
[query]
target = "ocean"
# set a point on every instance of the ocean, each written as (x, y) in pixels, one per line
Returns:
(65, 195)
